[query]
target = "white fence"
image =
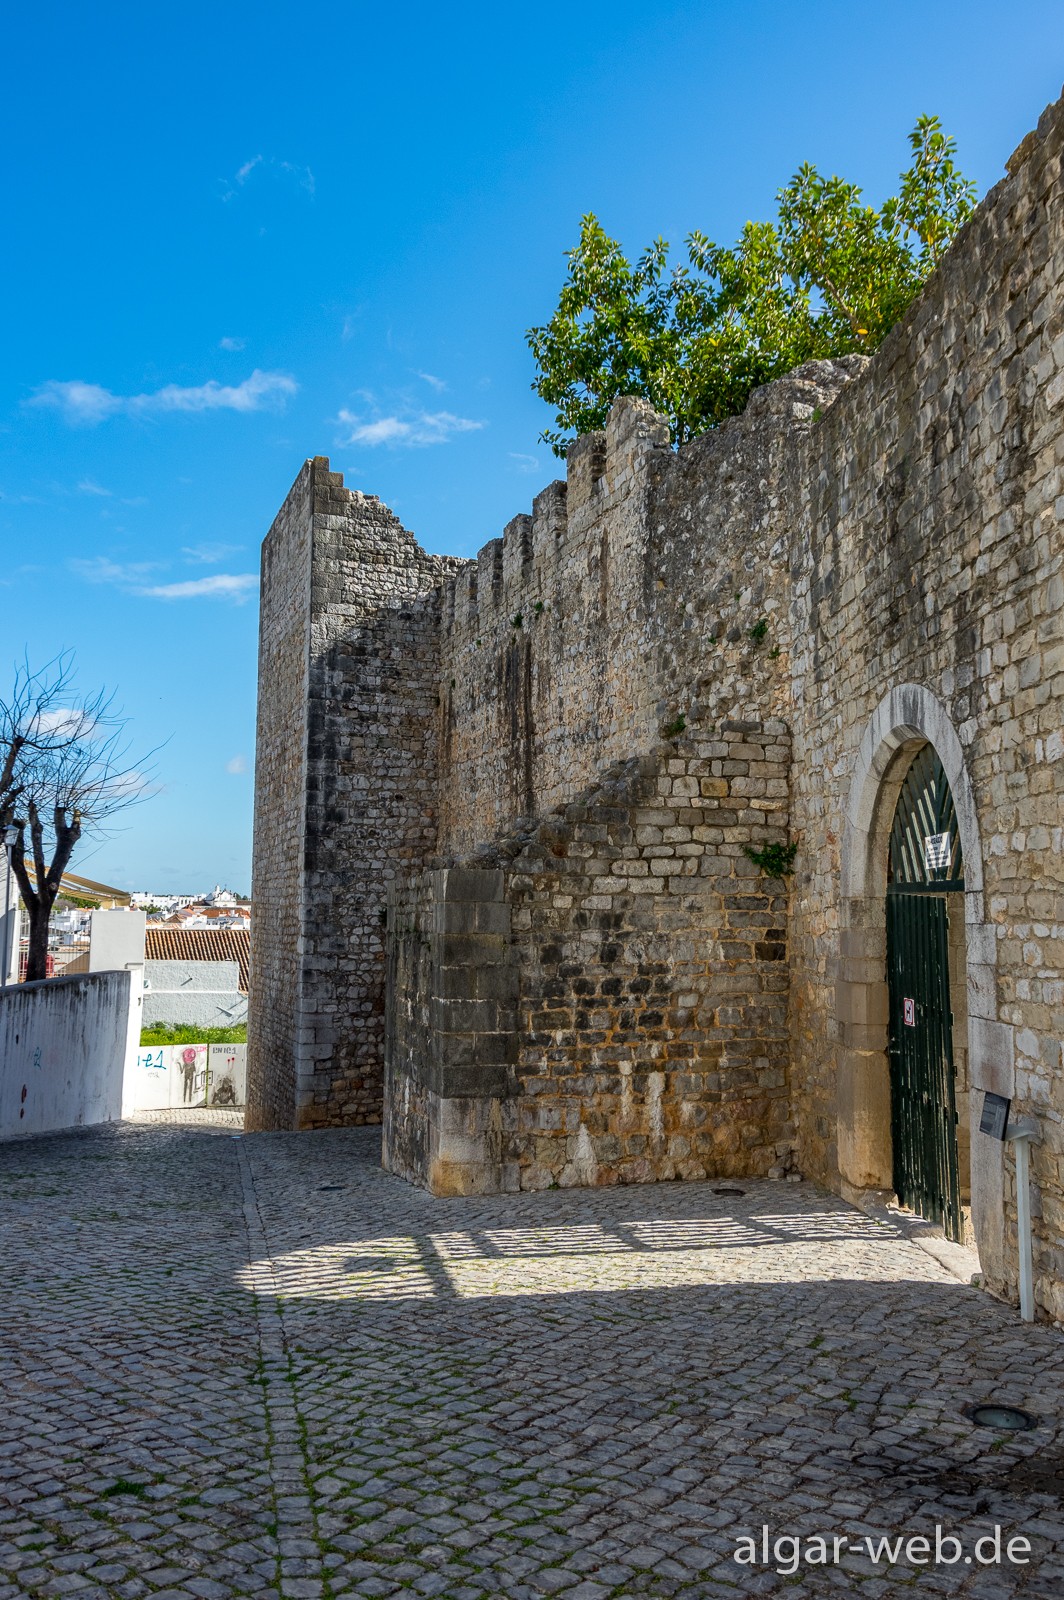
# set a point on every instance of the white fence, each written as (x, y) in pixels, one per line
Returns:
(169, 1077)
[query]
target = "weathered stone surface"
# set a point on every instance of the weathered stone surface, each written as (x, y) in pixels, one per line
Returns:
(761, 630)
(345, 796)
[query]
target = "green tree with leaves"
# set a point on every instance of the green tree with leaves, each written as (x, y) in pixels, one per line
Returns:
(829, 277)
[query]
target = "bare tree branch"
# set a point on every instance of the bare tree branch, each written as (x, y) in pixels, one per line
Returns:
(65, 769)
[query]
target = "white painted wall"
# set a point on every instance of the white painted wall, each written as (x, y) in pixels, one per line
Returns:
(162, 1079)
(63, 1051)
(116, 940)
(205, 994)
(10, 920)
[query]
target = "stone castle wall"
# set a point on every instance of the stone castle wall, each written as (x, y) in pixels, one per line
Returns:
(646, 585)
(929, 550)
(280, 799)
(870, 558)
(604, 997)
(346, 796)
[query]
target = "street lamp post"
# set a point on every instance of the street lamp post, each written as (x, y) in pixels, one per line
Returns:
(10, 840)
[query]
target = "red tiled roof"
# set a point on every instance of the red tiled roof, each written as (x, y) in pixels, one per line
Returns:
(162, 943)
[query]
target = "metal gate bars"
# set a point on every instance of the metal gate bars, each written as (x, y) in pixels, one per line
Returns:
(925, 864)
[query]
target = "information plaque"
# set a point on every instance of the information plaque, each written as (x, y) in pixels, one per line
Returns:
(995, 1117)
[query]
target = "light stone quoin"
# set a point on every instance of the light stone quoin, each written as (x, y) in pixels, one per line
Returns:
(503, 806)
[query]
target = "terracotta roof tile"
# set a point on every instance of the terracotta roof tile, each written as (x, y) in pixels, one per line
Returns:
(162, 943)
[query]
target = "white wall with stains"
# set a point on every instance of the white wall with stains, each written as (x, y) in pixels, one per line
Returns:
(64, 1043)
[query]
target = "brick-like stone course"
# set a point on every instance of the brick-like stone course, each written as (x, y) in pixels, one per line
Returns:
(603, 998)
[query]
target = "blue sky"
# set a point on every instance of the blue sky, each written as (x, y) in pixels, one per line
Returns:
(237, 235)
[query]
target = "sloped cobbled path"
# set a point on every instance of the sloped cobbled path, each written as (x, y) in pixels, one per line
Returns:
(258, 1366)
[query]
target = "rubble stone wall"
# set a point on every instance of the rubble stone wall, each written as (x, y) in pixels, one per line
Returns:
(346, 795)
(277, 889)
(603, 998)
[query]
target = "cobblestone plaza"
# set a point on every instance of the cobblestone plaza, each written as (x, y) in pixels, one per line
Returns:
(259, 1365)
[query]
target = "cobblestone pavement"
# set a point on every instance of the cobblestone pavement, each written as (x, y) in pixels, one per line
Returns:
(257, 1365)
(194, 1117)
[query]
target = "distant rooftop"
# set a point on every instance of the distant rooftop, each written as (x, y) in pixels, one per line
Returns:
(167, 943)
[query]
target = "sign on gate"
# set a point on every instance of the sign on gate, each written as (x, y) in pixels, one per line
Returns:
(936, 852)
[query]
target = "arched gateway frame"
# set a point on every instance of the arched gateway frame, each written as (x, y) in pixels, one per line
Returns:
(909, 719)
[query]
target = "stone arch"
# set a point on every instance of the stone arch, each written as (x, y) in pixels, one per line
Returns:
(906, 719)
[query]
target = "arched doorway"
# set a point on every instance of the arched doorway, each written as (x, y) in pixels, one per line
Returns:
(925, 877)
(908, 720)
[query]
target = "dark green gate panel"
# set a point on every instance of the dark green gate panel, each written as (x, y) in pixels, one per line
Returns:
(923, 1099)
(923, 1095)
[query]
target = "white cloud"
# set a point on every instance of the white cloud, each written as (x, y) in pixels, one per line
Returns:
(88, 403)
(79, 402)
(229, 343)
(524, 463)
(133, 577)
(124, 574)
(207, 554)
(422, 428)
(237, 764)
(291, 169)
(235, 586)
(303, 175)
(136, 784)
(434, 383)
(89, 486)
(68, 724)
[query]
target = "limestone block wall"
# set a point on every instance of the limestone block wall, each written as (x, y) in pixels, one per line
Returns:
(452, 1030)
(928, 550)
(280, 803)
(648, 585)
(345, 792)
(608, 1001)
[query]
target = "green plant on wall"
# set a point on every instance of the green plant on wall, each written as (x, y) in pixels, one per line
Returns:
(775, 860)
(673, 729)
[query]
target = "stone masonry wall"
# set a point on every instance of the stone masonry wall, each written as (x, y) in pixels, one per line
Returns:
(871, 557)
(356, 801)
(928, 549)
(646, 586)
(603, 998)
(277, 889)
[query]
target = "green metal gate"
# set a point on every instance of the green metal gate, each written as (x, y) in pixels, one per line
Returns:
(925, 865)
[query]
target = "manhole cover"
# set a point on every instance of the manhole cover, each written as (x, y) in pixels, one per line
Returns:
(1004, 1419)
(737, 1192)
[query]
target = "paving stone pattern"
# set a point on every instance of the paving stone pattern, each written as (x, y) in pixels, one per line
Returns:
(261, 1366)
